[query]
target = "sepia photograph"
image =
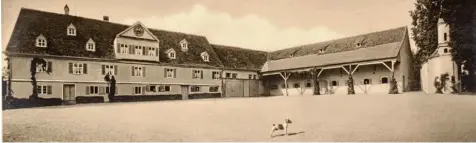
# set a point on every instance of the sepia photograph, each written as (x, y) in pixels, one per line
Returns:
(238, 70)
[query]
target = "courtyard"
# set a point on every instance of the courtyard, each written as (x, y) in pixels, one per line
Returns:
(403, 117)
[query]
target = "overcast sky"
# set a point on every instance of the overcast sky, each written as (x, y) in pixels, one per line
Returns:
(255, 24)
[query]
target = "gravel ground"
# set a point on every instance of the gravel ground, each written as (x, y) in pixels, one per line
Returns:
(404, 117)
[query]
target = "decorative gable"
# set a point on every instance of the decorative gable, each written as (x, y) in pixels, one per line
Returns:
(171, 53)
(138, 30)
(205, 56)
(41, 41)
(184, 45)
(71, 30)
(91, 45)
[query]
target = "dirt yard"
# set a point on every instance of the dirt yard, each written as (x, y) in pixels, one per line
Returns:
(408, 117)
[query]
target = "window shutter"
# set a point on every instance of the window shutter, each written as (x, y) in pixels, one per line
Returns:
(193, 74)
(201, 75)
(118, 48)
(117, 90)
(370, 81)
(87, 90)
(156, 51)
(50, 66)
(174, 73)
(70, 68)
(101, 90)
(103, 70)
(85, 68)
(133, 49)
(142, 90)
(134, 90)
(115, 69)
(147, 88)
(165, 72)
(143, 71)
(132, 70)
(145, 50)
(49, 89)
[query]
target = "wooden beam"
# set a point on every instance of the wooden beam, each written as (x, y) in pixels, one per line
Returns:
(320, 72)
(346, 70)
(387, 66)
(355, 69)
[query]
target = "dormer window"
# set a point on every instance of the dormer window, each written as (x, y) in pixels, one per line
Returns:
(41, 41)
(358, 44)
(322, 50)
(71, 30)
(91, 45)
(205, 56)
(184, 45)
(171, 53)
(152, 51)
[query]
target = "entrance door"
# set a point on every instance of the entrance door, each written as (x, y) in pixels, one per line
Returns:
(68, 92)
(184, 92)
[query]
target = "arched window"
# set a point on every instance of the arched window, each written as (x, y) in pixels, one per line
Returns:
(334, 83)
(384, 80)
(367, 81)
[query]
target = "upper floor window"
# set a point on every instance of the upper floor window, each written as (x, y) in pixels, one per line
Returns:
(91, 45)
(170, 73)
(250, 76)
(228, 75)
(138, 50)
(78, 68)
(255, 76)
(215, 75)
(124, 48)
(184, 45)
(138, 71)
(445, 37)
(41, 41)
(171, 53)
(71, 30)
(205, 56)
(234, 75)
(109, 69)
(197, 74)
(152, 51)
(48, 67)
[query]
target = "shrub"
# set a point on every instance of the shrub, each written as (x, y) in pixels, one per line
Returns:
(204, 95)
(93, 99)
(134, 98)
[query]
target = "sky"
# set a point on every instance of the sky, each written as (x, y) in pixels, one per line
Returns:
(266, 25)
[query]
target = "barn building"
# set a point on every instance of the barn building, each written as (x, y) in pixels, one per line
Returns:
(80, 52)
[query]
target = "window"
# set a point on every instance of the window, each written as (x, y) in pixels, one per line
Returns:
(445, 37)
(234, 75)
(48, 67)
(109, 69)
(92, 90)
(322, 50)
(195, 88)
(250, 76)
(335, 83)
(228, 75)
(358, 44)
(152, 51)
(384, 80)
(274, 86)
(124, 49)
(215, 75)
(255, 76)
(284, 86)
(296, 85)
(44, 89)
(78, 68)
(151, 88)
(138, 90)
(367, 81)
(170, 73)
(172, 55)
(184, 45)
(197, 74)
(138, 50)
(90, 45)
(71, 30)
(308, 84)
(41, 41)
(164, 88)
(138, 71)
(213, 89)
(205, 56)
(445, 50)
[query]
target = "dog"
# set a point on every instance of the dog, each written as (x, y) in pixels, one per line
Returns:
(281, 127)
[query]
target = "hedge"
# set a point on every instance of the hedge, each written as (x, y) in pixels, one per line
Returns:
(93, 99)
(204, 95)
(28, 103)
(133, 98)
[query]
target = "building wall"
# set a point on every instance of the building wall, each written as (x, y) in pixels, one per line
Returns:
(405, 67)
(240, 74)
(433, 68)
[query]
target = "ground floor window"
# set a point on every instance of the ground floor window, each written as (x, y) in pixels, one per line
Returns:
(138, 90)
(367, 81)
(164, 88)
(308, 84)
(213, 89)
(296, 85)
(44, 89)
(384, 80)
(195, 88)
(335, 83)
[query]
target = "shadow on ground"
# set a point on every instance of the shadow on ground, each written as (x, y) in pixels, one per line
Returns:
(289, 134)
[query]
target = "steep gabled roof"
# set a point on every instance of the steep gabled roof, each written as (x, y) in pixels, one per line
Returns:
(31, 23)
(240, 58)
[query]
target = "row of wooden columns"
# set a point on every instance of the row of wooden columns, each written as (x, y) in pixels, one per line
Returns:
(349, 69)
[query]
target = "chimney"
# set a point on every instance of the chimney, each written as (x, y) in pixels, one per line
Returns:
(105, 18)
(66, 10)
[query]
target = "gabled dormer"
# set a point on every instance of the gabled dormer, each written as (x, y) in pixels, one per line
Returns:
(137, 43)
(184, 45)
(138, 30)
(205, 56)
(41, 41)
(71, 30)
(171, 53)
(91, 45)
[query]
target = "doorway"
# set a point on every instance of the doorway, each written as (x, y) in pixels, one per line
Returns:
(69, 92)
(184, 91)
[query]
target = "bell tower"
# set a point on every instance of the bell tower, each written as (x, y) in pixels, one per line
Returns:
(443, 37)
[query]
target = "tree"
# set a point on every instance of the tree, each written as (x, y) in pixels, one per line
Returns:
(33, 65)
(460, 15)
(112, 86)
(393, 85)
(350, 85)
